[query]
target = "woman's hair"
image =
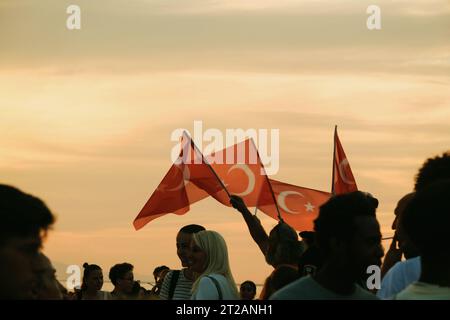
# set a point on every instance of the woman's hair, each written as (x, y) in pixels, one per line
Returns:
(88, 269)
(215, 248)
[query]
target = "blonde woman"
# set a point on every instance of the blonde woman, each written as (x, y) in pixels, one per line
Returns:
(208, 258)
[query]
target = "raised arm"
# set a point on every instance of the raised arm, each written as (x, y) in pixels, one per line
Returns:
(257, 231)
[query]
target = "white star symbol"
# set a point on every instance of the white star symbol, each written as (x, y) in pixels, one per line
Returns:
(309, 207)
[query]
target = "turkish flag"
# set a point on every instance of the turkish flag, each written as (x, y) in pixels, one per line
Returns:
(298, 206)
(187, 181)
(343, 180)
(242, 172)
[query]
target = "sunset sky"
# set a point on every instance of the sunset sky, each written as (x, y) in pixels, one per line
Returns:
(86, 115)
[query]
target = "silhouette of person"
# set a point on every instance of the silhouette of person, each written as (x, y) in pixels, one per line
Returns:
(122, 278)
(281, 246)
(348, 234)
(426, 221)
(177, 284)
(25, 222)
(91, 287)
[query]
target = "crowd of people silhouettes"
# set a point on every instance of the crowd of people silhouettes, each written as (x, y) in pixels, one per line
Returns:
(328, 263)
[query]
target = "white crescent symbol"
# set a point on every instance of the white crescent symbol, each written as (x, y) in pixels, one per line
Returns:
(281, 199)
(342, 171)
(186, 176)
(250, 175)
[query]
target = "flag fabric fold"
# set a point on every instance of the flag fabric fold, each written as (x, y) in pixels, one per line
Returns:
(189, 179)
(343, 180)
(241, 170)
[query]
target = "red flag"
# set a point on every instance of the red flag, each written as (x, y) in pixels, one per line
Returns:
(189, 180)
(343, 180)
(241, 171)
(298, 206)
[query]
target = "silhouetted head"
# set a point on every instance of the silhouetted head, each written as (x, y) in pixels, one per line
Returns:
(247, 290)
(158, 271)
(404, 242)
(348, 233)
(284, 247)
(92, 277)
(122, 277)
(184, 238)
(25, 220)
(400, 208)
(427, 221)
(433, 169)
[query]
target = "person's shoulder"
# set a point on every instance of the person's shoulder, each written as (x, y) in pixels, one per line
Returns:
(169, 274)
(362, 294)
(412, 263)
(401, 267)
(408, 263)
(217, 276)
(397, 268)
(293, 290)
(210, 280)
(206, 280)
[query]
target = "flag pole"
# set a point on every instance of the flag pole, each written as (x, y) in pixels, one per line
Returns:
(274, 200)
(209, 166)
(270, 185)
(334, 160)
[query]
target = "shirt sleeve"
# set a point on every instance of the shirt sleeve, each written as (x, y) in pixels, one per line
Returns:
(206, 290)
(164, 294)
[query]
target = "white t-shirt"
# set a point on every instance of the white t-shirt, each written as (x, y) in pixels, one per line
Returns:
(401, 275)
(306, 288)
(207, 290)
(424, 291)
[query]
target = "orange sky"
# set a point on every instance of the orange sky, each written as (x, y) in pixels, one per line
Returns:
(86, 116)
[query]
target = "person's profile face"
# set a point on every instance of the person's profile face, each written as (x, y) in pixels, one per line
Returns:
(126, 282)
(183, 247)
(95, 280)
(197, 258)
(400, 208)
(366, 248)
